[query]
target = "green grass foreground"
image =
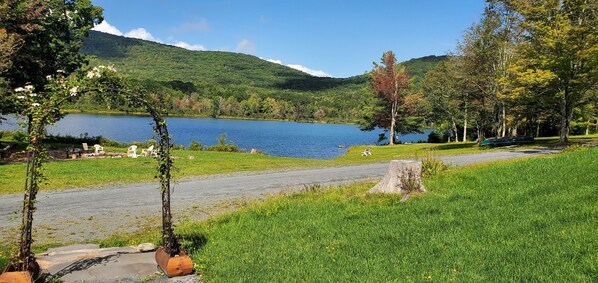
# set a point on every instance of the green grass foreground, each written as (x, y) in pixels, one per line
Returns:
(527, 221)
(531, 220)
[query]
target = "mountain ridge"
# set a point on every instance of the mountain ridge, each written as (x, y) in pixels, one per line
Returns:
(187, 80)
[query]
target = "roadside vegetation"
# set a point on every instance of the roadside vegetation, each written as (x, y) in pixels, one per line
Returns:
(531, 220)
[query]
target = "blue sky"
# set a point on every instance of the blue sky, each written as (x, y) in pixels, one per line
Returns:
(338, 38)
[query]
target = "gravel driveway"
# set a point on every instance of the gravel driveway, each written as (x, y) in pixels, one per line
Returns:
(79, 215)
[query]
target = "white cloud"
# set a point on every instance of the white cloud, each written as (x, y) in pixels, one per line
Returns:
(273, 61)
(245, 46)
(141, 33)
(317, 73)
(196, 47)
(107, 28)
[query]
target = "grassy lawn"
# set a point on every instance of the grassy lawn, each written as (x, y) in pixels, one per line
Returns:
(511, 221)
(534, 220)
(99, 172)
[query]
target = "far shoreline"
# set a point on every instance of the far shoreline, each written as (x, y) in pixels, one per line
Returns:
(176, 115)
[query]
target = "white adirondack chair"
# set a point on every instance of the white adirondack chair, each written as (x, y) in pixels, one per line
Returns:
(132, 151)
(149, 151)
(98, 149)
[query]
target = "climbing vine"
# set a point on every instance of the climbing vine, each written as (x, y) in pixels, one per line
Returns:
(42, 108)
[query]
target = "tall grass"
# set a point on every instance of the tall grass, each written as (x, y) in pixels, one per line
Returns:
(535, 221)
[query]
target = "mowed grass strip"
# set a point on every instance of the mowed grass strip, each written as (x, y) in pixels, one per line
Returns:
(109, 171)
(534, 220)
(113, 171)
(84, 173)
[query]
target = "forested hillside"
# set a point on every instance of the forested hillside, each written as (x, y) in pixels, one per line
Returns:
(214, 83)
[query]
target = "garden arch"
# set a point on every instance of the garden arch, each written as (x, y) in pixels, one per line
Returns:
(37, 121)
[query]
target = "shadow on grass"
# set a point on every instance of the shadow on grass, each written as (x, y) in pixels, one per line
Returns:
(453, 146)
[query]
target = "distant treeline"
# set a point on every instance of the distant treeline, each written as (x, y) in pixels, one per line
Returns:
(212, 100)
(225, 84)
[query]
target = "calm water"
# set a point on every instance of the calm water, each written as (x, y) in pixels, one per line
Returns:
(319, 141)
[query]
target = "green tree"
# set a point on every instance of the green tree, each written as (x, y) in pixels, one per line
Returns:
(484, 56)
(268, 106)
(230, 107)
(282, 110)
(40, 37)
(559, 54)
(443, 90)
(203, 106)
(50, 34)
(10, 42)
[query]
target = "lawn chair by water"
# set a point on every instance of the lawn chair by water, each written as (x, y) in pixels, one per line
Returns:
(98, 149)
(5, 151)
(366, 152)
(86, 148)
(73, 152)
(132, 151)
(149, 151)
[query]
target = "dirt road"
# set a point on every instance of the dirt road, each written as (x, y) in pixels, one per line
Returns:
(79, 215)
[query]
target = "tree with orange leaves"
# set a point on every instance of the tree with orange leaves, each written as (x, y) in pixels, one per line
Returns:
(390, 83)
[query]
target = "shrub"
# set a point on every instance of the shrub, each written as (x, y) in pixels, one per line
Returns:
(315, 188)
(19, 136)
(438, 137)
(178, 146)
(68, 139)
(431, 167)
(223, 146)
(410, 182)
(108, 142)
(195, 146)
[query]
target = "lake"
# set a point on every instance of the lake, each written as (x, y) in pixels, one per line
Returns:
(292, 139)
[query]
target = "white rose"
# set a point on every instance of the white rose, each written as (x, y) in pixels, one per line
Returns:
(73, 91)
